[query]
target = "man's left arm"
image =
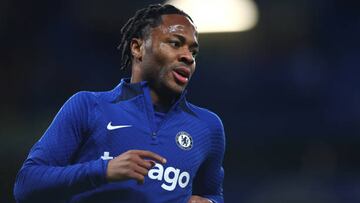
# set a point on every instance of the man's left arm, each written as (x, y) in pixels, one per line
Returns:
(209, 179)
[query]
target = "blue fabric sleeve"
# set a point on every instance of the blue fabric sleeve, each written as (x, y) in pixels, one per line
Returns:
(48, 172)
(209, 179)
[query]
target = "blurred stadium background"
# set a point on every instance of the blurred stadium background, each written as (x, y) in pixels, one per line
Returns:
(288, 90)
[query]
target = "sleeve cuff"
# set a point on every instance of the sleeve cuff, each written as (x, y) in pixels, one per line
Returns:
(97, 173)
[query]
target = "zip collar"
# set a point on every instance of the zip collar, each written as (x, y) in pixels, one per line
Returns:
(126, 90)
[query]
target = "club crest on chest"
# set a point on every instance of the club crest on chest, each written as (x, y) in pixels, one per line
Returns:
(184, 140)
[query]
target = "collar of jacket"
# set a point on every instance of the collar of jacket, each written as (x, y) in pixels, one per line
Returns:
(126, 90)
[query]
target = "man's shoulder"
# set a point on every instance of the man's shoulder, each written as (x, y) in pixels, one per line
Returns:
(91, 96)
(211, 120)
(205, 114)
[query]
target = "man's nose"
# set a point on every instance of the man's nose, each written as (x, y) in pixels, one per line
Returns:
(187, 57)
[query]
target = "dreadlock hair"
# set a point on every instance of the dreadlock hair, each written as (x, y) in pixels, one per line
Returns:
(139, 26)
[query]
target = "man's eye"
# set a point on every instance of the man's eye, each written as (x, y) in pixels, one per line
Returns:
(174, 44)
(194, 53)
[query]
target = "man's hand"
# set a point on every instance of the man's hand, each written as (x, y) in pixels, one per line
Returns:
(198, 199)
(133, 164)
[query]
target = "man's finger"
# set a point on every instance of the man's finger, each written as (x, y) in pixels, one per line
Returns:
(150, 155)
(148, 164)
(141, 170)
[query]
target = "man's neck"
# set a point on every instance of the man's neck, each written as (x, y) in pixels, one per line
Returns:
(163, 102)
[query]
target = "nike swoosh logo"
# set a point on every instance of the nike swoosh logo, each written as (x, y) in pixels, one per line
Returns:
(114, 127)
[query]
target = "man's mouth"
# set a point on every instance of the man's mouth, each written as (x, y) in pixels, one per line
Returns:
(181, 74)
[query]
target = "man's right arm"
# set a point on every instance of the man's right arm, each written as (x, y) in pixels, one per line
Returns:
(47, 171)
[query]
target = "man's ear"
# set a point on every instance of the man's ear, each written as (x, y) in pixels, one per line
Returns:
(136, 46)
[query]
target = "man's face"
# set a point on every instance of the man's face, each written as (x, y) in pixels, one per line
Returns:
(168, 55)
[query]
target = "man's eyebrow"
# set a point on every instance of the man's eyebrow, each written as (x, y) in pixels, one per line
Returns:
(183, 39)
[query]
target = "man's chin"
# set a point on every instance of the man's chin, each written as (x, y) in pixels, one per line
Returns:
(170, 89)
(176, 89)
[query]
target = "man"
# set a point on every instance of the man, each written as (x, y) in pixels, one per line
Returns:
(140, 142)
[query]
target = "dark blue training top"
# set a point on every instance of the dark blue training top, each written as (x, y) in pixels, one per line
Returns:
(68, 163)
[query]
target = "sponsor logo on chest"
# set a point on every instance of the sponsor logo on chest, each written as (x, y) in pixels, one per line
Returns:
(170, 175)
